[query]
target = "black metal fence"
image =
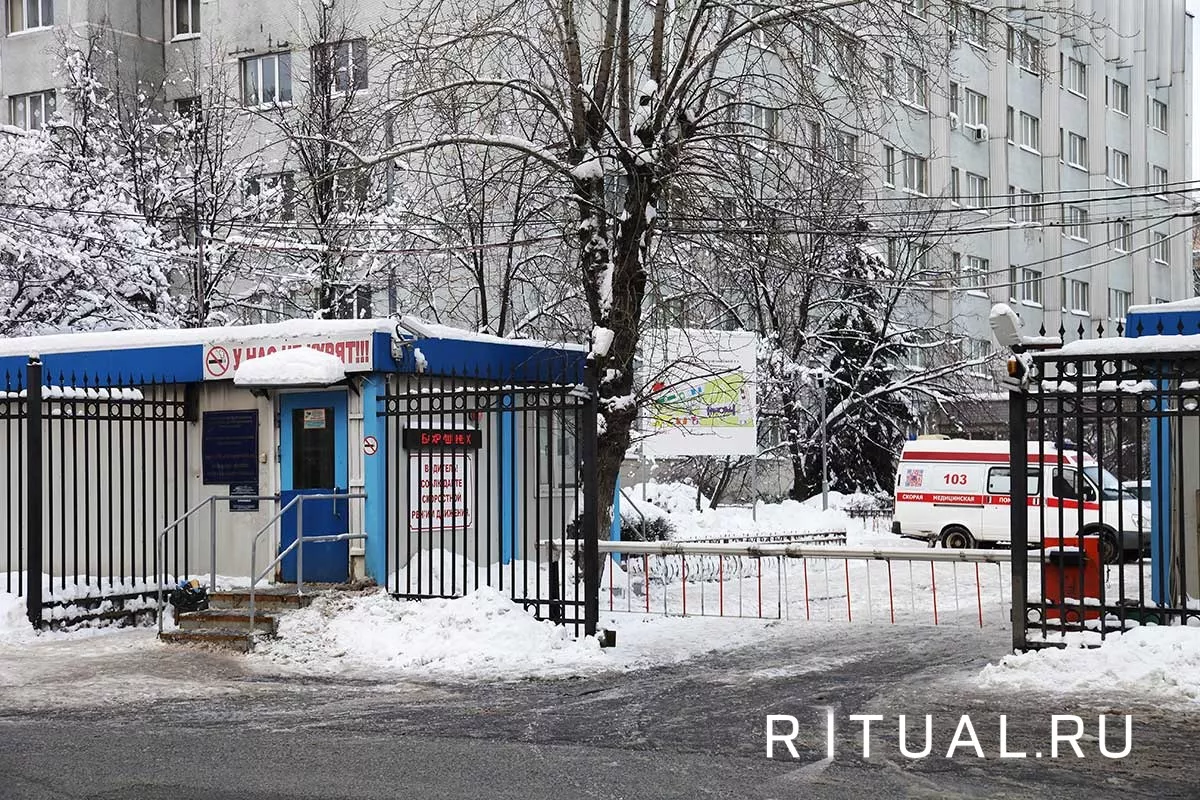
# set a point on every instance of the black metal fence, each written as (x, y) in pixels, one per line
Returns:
(492, 482)
(1105, 524)
(93, 467)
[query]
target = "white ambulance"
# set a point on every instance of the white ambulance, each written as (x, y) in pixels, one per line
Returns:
(957, 492)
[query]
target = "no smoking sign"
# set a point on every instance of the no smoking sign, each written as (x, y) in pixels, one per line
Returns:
(370, 445)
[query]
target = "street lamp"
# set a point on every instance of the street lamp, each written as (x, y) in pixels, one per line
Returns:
(819, 374)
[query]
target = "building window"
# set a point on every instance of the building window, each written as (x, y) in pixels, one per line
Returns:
(915, 86)
(1031, 132)
(350, 190)
(1118, 97)
(955, 185)
(187, 106)
(764, 119)
(1118, 167)
(915, 7)
(31, 111)
(1158, 179)
(187, 17)
(1119, 301)
(889, 165)
(976, 109)
(845, 147)
(341, 66)
(1030, 207)
(889, 75)
(973, 271)
(1077, 152)
(1121, 233)
(1031, 286)
(977, 191)
(1077, 222)
(1075, 77)
(1158, 115)
(953, 98)
(1024, 50)
(267, 80)
(273, 195)
(971, 22)
(1160, 249)
(558, 454)
(916, 173)
(27, 15)
(1080, 302)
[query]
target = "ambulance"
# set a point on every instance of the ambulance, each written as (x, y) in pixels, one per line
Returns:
(957, 492)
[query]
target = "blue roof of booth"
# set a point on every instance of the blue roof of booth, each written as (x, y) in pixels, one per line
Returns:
(1181, 317)
(196, 354)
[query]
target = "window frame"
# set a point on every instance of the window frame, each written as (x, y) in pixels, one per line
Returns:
(1080, 290)
(976, 194)
(921, 174)
(916, 86)
(355, 62)
(1077, 145)
(1031, 287)
(1075, 77)
(1156, 110)
(1121, 235)
(1031, 133)
(1076, 223)
(41, 6)
(1115, 94)
(192, 23)
(285, 181)
(258, 61)
(1160, 248)
(974, 109)
(1119, 299)
(43, 96)
(553, 453)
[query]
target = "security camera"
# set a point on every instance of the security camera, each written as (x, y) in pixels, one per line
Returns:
(416, 326)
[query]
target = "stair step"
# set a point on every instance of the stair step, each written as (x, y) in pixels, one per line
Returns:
(234, 619)
(225, 638)
(271, 599)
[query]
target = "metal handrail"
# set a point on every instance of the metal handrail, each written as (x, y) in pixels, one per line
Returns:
(160, 546)
(557, 547)
(296, 544)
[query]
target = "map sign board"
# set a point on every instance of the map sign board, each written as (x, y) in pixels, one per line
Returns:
(702, 393)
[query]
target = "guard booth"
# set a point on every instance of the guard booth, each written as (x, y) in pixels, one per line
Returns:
(144, 457)
(1128, 408)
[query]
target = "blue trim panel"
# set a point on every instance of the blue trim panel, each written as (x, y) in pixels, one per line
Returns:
(375, 478)
(171, 364)
(509, 485)
(1162, 323)
(494, 360)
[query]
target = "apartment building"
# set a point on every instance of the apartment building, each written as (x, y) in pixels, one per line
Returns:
(1055, 147)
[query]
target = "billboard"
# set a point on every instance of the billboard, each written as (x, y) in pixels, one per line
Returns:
(701, 393)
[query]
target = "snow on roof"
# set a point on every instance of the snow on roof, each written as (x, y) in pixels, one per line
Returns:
(432, 330)
(1191, 304)
(1115, 346)
(297, 366)
(164, 337)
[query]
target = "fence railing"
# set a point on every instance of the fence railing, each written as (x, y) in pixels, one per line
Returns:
(811, 582)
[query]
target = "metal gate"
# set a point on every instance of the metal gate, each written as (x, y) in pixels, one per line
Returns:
(92, 467)
(1105, 524)
(492, 483)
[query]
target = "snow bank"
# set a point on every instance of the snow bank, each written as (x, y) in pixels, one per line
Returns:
(677, 502)
(1160, 662)
(294, 366)
(13, 624)
(483, 636)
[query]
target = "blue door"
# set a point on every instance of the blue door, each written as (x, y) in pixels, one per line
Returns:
(312, 437)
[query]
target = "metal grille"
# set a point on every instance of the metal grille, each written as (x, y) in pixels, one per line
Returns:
(1105, 524)
(93, 467)
(492, 483)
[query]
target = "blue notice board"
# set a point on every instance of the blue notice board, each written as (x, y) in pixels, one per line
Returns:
(229, 447)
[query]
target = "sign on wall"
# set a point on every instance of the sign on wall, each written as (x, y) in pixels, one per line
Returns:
(221, 359)
(442, 438)
(439, 491)
(702, 393)
(229, 447)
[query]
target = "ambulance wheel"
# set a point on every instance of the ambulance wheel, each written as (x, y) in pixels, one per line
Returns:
(1110, 548)
(958, 538)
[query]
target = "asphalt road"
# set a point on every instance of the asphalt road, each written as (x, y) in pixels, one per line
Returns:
(166, 723)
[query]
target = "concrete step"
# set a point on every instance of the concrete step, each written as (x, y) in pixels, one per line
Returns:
(272, 599)
(235, 619)
(223, 638)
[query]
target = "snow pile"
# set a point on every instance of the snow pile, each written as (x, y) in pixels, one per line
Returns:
(295, 366)
(1162, 662)
(677, 502)
(481, 636)
(13, 623)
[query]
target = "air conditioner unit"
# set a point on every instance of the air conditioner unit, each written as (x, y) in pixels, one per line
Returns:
(953, 121)
(981, 133)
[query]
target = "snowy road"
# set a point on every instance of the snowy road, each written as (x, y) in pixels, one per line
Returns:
(120, 716)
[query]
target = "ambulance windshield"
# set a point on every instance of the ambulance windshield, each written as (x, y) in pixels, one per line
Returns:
(1110, 487)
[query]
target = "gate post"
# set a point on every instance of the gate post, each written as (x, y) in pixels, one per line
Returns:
(1018, 470)
(591, 477)
(33, 491)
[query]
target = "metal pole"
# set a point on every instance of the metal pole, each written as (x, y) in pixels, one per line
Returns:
(300, 544)
(1018, 455)
(212, 545)
(33, 497)
(824, 447)
(591, 482)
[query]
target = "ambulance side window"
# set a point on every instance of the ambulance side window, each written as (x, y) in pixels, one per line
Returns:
(999, 481)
